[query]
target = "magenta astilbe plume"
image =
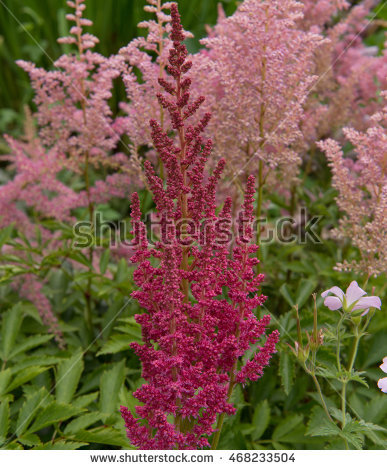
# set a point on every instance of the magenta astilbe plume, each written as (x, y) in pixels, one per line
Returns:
(193, 335)
(146, 57)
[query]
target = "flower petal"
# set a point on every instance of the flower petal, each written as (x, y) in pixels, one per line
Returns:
(333, 303)
(353, 293)
(367, 302)
(383, 366)
(382, 384)
(334, 290)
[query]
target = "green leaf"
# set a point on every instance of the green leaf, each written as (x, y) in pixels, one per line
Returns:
(110, 384)
(29, 343)
(69, 373)
(286, 371)
(5, 378)
(286, 295)
(83, 422)
(30, 440)
(286, 426)
(12, 320)
(85, 400)
(28, 410)
(305, 290)
(261, 419)
(104, 261)
(4, 420)
(320, 425)
(375, 410)
(5, 234)
(107, 436)
(53, 413)
(61, 445)
(25, 376)
(115, 344)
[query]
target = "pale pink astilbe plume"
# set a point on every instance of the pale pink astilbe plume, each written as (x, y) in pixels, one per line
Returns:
(147, 57)
(351, 75)
(192, 334)
(30, 287)
(258, 67)
(318, 14)
(362, 187)
(73, 111)
(35, 186)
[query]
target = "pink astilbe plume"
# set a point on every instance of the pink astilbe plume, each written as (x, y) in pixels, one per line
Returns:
(73, 111)
(192, 334)
(351, 75)
(362, 186)
(75, 138)
(258, 66)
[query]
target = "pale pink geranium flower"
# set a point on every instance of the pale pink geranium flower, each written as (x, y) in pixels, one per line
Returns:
(382, 383)
(353, 301)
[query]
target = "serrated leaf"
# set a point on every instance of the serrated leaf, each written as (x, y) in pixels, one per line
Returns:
(29, 343)
(30, 440)
(286, 371)
(12, 320)
(286, 426)
(25, 363)
(83, 422)
(5, 378)
(4, 420)
(68, 376)
(61, 445)
(54, 413)
(28, 411)
(115, 344)
(320, 425)
(261, 419)
(110, 384)
(85, 400)
(25, 376)
(107, 436)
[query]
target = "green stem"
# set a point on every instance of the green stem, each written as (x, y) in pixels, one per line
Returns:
(316, 382)
(338, 343)
(219, 423)
(344, 386)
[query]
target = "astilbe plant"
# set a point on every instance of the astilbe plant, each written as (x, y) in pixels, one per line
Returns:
(259, 65)
(76, 138)
(193, 336)
(143, 65)
(362, 186)
(351, 74)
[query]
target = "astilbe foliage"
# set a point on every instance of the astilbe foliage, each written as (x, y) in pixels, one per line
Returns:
(259, 66)
(192, 335)
(362, 186)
